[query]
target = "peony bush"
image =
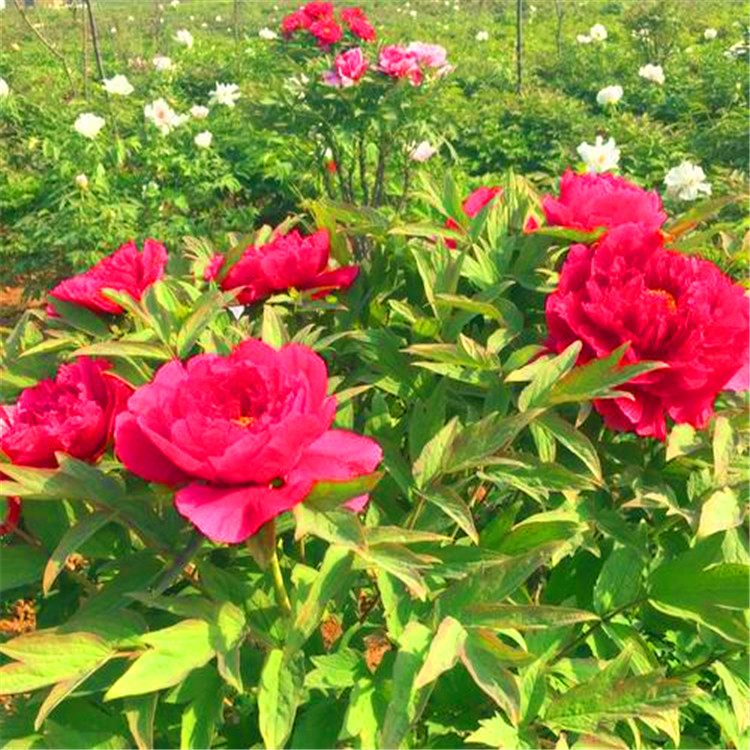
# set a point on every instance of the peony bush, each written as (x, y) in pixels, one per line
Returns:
(413, 460)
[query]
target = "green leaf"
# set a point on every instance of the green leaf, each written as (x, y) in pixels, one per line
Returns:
(433, 454)
(597, 378)
(123, 348)
(492, 583)
(723, 448)
(488, 670)
(495, 732)
(273, 330)
(574, 440)
(79, 317)
(619, 581)
(206, 308)
(279, 696)
(20, 565)
(336, 671)
(682, 440)
(601, 701)
(450, 502)
(327, 496)
(71, 540)
(704, 210)
(407, 700)
(140, 711)
(537, 392)
(201, 715)
(445, 649)
(45, 657)
(721, 511)
(333, 575)
(175, 652)
(522, 617)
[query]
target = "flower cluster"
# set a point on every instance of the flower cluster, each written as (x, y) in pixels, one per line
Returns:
(668, 307)
(319, 20)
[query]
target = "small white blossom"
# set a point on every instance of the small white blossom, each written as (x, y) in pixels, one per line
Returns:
(710, 34)
(4, 88)
(199, 112)
(119, 85)
(598, 33)
(163, 116)
(482, 36)
(218, 19)
(131, 19)
(204, 25)
(88, 124)
(421, 152)
(162, 63)
(184, 37)
(82, 181)
(609, 95)
(175, 3)
(113, 30)
(601, 157)
(203, 139)
(687, 181)
(225, 93)
(266, 33)
(653, 73)
(583, 39)
(413, 13)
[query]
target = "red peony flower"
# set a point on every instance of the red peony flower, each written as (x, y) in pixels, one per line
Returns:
(350, 66)
(326, 31)
(289, 261)
(472, 206)
(246, 436)
(73, 413)
(294, 21)
(362, 28)
(398, 62)
(589, 201)
(679, 310)
(318, 10)
(126, 270)
(349, 14)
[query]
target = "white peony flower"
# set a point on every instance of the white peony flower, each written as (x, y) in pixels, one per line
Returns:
(583, 39)
(162, 63)
(218, 19)
(131, 19)
(482, 36)
(184, 37)
(686, 182)
(199, 112)
(598, 33)
(266, 33)
(203, 139)
(609, 95)
(82, 181)
(113, 30)
(653, 73)
(225, 93)
(204, 25)
(413, 13)
(163, 116)
(421, 152)
(119, 85)
(710, 34)
(175, 3)
(601, 157)
(4, 88)
(88, 124)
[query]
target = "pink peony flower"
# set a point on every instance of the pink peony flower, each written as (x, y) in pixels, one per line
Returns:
(245, 437)
(590, 201)
(398, 62)
(670, 307)
(472, 206)
(295, 21)
(289, 261)
(431, 55)
(350, 66)
(73, 413)
(126, 270)
(326, 31)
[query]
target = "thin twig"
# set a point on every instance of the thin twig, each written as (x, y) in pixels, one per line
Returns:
(47, 44)
(95, 40)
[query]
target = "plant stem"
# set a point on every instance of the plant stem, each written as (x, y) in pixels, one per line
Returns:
(278, 585)
(174, 570)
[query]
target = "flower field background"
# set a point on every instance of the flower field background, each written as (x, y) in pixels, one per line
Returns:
(374, 376)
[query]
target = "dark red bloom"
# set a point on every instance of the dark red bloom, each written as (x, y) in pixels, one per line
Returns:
(326, 31)
(590, 201)
(73, 413)
(671, 308)
(361, 27)
(331, 166)
(288, 261)
(472, 206)
(247, 436)
(294, 21)
(349, 14)
(317, 10)
(126, 270)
